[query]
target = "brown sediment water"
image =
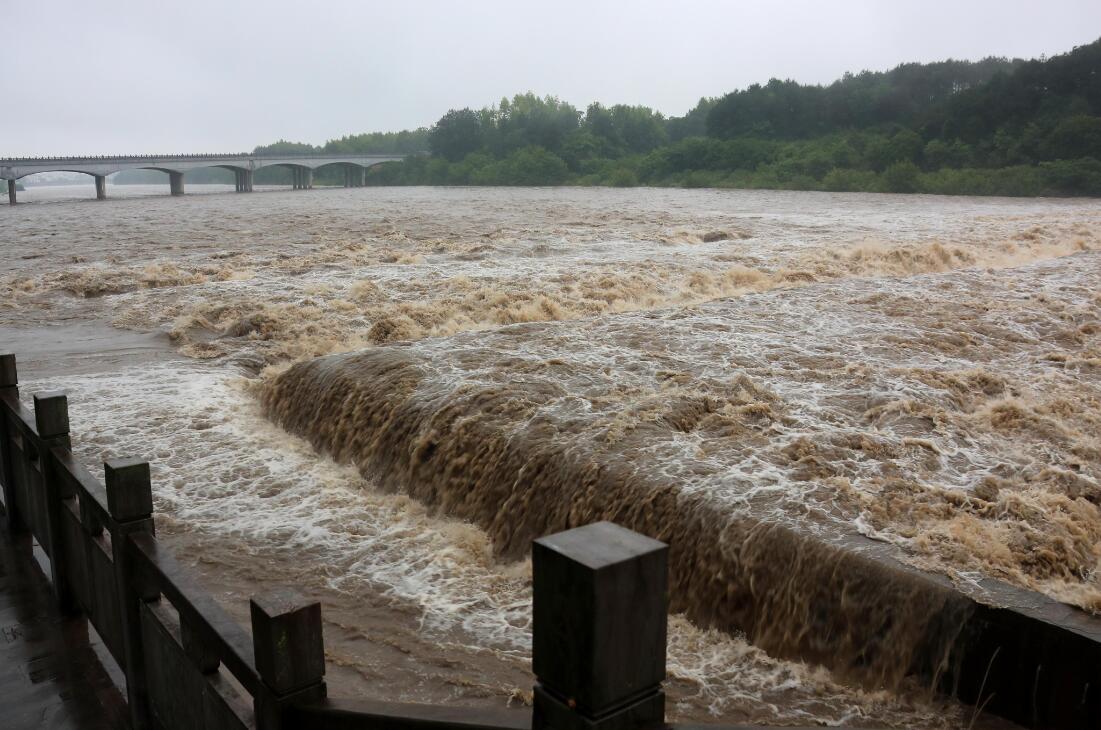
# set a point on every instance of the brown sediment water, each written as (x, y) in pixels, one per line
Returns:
(658, 422)
(755, 376)
(416, 606)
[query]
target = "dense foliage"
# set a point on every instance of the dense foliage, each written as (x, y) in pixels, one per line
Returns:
(989, 127)
(902, 96)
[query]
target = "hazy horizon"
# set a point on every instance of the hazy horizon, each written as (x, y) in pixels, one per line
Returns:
(127, 78)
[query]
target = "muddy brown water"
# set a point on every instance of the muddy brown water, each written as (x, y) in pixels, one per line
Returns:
(921, 370)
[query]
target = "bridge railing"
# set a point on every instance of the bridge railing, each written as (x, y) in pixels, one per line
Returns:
(198, 157)
(599, 609)
(127, 158)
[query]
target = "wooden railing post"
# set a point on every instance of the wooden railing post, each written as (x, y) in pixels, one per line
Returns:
(599, 624)
(51, 419)
(130, 502)
(9, 383)
(196, 648)
(290, 654)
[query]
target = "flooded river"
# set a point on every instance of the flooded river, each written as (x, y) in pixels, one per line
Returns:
(381, 395)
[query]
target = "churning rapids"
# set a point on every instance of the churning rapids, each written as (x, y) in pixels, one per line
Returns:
(382, 395)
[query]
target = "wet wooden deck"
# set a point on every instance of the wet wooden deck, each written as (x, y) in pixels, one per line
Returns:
(51, 675)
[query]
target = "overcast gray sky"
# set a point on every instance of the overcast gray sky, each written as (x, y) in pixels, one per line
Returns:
(114, 76)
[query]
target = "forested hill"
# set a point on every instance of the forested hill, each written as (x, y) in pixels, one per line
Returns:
(995, 126)
(904, 96)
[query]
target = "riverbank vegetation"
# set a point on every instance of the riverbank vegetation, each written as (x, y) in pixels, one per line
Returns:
(990, 127)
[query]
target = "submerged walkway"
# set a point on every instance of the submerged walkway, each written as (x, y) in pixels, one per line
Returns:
(50, 674)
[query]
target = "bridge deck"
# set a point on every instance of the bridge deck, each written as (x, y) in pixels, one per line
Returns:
(50, 674)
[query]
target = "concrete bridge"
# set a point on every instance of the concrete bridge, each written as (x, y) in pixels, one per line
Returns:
(243, 166)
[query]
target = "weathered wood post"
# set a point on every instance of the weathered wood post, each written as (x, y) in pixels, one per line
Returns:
(51, 420)
(9, 384)
(196, 648)
(600, 614)
(130, 502)
(290, 654)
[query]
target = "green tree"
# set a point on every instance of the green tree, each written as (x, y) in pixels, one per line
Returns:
(580, 146)
(901, 177)
(528, 166)
(530, 120)
(283, 147)
(626, 129)
(456, 134)
(692, 124)
(403, 142)
(1076, 136)
(995, 126)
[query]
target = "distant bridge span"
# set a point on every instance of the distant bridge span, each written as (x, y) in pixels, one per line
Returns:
(242, 165)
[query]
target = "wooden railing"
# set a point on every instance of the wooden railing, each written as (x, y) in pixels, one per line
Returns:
(600, 609)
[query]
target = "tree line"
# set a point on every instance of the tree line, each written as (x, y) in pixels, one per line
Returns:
(996, 126)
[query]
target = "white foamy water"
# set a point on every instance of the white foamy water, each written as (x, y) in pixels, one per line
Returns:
(229, 487)
(223, 470)
(870, 357)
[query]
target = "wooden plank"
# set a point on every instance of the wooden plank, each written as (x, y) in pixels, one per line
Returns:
(74, 542)
(26, 470)
(23, 416)
(335, 714)
(35, 493)
(89, 490)
(105, 616)
(223, 706)
(179, 695)
(19, 479)
(10, 510)
(93, 579)
(214, 626)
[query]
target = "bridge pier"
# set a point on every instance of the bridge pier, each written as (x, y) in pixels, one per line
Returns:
(303, 178)
(11, 192)
(101, 187)
(244, 180)
(176, 183)
(354, 176)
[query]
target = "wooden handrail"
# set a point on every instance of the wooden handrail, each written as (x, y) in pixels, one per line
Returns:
(16, 408)
(90, 492)
(341, 714)
(217, 628)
